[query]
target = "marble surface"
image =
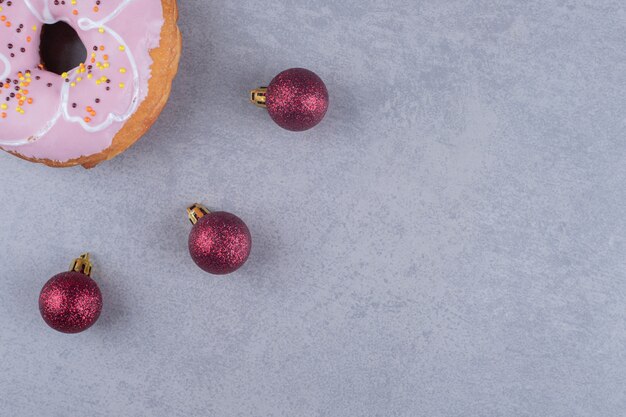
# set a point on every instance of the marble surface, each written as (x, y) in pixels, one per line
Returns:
(450, 241)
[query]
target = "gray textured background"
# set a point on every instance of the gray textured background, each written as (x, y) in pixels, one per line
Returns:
(449, 242)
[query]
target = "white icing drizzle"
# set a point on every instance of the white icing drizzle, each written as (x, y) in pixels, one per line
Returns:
(46, 10)
(47, 19)
(88, 24)
(7, 67)
(111, 16)
(49, 125)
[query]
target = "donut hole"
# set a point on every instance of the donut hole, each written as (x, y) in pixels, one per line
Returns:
(61, 49)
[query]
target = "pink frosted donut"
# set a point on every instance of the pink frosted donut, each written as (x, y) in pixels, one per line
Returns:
(96, 110)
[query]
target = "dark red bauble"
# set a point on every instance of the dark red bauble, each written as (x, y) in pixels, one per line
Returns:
(297, 99)
(220, 243)
(70, 302)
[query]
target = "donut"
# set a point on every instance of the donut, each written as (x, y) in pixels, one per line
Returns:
(96, 110)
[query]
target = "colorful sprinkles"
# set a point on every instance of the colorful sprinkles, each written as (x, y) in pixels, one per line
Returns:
(99, 69)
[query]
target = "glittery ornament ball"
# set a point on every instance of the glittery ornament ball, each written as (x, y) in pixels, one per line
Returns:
(70, 302)
(220, 243)
(297, 99)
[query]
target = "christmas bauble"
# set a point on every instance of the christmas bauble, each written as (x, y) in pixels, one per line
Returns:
(70, 302)
(219, 242)
(296, 99)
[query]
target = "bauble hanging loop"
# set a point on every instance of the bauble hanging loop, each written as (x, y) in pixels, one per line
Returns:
(71, 302)
(82, 264)
(219, 242)
(296, 99)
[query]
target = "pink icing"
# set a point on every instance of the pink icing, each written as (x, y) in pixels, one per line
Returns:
(48, 116)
